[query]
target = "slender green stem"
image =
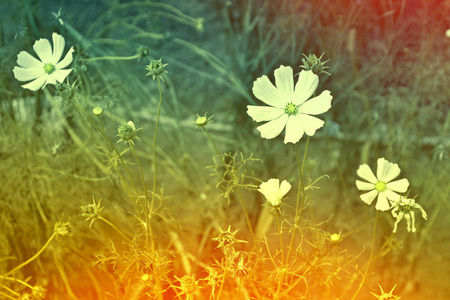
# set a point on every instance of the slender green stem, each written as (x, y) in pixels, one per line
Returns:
(15, 279)
(33, 257)
(280, 235)
(144, 186)
(115, 228)
(369, 263)
(215, 147)
(92, 59)
(154, 156)
(280, 281)
(301, 192)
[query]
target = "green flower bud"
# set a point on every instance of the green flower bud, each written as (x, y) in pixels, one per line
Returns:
(91, 211)
(156, 68)
(142, 52)
(336, 237)
(314, 64)
(202, 121)
(62, 228)
(127, 131)
(97, 111)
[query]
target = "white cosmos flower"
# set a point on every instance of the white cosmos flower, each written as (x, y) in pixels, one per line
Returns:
(288, 106)
(381, 185)
(273, 191)
(47, 70)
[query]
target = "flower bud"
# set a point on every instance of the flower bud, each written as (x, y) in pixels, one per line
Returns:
(156, 68)
(91, 211)
(97, 111)
(203, 121)
(142, 52)
(336, 237)
(64, 91)
(127, 131)
(311, 62)
(62, 228)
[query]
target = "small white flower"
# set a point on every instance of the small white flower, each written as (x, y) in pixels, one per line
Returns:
(381, 185)
(288, 106)
(273, 191)
(403, 207)
(47, 70)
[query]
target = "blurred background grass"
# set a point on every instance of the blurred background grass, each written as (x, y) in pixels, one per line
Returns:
(390, 69)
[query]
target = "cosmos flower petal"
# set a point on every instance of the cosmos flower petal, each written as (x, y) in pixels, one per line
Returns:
(264, 113)
(382, 165)
(413, 221)
(284, 81)
(273, 192)
(50, 79)
(265, 91)
(294, 130)
(58, 47)
(399, 218)
(43, 49)
(393, 196)
(267, 188)
(368, 197)
(382, 202)
(309, 123)
(392, 172)
(366, 173)
(399, 185)
(306, 85)
(273, 128)
(26, 60)
(60, 75)
(317, 105)
(26, 74)
(36, 84)
(386, 171)
(285, 187)
(364, 186)
(66, 61)
(272, 184)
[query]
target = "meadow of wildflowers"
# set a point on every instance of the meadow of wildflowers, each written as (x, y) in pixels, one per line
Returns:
(224, 149)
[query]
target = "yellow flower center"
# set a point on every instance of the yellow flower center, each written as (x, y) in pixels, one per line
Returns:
(380, 186)
(290, 108)
(49, 68)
